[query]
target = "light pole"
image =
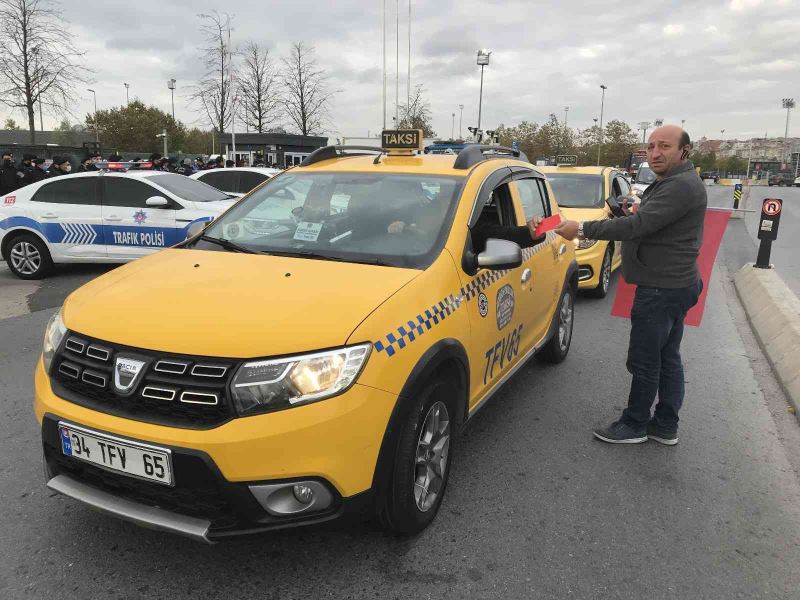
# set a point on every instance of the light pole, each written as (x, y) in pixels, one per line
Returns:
(127, 97)
(722, 135)
(566, 138)
(483, 61)
(96, 131)
(460, 118)
(453, 128)
(602, 106)
(658, 122)
(163, 134)
(171, 86)
(682, 122)
(643, 126)
(788, 104)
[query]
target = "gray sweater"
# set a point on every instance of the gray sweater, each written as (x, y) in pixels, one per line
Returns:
(662, 240)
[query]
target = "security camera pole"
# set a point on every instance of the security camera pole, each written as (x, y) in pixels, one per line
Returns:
(163, 134)
(483, 61)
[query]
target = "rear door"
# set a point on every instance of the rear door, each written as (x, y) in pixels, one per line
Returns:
(68, 211)
(133, 229)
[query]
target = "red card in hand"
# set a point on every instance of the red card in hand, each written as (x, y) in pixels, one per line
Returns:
(546, 225)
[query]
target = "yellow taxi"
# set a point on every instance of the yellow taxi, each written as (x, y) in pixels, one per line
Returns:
(582, 194)
(308, 355)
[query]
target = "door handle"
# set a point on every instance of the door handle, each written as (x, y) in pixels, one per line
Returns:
(49, 216)
(562, 249)
(113, 218)
(526, 276)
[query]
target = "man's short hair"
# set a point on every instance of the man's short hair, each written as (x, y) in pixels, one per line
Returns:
(685, 141)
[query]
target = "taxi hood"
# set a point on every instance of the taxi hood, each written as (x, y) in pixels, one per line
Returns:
(229, 304)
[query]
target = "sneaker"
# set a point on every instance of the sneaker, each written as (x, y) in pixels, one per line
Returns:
(661, 436)
(620, 433)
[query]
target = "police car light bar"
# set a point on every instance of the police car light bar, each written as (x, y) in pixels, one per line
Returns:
(106, 165)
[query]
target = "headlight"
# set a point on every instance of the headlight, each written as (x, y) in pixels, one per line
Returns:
(584, 244)
(52, 338)
(267, 385)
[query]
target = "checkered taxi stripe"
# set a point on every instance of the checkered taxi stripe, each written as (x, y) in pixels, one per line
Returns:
(423, 322)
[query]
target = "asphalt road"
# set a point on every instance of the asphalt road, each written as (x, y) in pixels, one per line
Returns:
(535, 508)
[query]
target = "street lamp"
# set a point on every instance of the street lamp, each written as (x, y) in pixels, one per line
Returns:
(127, 98)
(602, 106)
(643, 126)
(566, 139)
(460, 118)
(453, 128)
(788, 104)
(658, 122)
(483, 61)
(96, 131)
(171, 86)
(722, 135)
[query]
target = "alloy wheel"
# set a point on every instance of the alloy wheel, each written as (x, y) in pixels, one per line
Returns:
(25, 257)
(431, 456)
(565, 322)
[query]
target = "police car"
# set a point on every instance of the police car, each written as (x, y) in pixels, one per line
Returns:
(313, 372)
(235, 180)
(101, 217)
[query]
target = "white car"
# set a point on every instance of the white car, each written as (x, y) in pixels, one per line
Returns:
(797, 182)
(644, 177)
(236, 180)
(101, 217)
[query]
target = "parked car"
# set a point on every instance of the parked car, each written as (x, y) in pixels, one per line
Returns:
(781, 179)
(237, 180)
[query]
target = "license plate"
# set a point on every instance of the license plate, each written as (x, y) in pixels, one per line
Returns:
(133, 459)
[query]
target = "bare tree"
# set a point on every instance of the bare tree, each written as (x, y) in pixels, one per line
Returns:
(417, 114)
(257, 85)
(214, 92)
(306, 96)
(40, 62)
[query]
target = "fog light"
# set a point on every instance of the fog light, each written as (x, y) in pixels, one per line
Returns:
(303, 494)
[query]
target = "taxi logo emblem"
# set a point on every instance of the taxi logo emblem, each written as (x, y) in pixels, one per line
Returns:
(139, 217)
(127, 372)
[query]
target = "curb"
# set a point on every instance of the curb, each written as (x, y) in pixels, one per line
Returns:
(774, 314)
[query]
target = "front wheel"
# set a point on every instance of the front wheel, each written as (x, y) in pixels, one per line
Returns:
(557, 347)
(605, 277)
(28, 257)
(422, 462)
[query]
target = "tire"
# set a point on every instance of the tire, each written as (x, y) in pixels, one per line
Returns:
(605, 276)
(28, 257)
(557, 347)
(421, 465)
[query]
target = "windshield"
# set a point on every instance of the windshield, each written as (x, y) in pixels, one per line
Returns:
(398, 220)
(187, 188)
(577, 191)
(645, 175)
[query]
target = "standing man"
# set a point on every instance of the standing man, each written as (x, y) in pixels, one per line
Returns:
(60, 166)
(27, 169)
(662, 239)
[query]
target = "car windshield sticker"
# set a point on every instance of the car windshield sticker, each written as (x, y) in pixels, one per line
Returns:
(505, 306)
(307, 231)
(139, 216)
(483, 304)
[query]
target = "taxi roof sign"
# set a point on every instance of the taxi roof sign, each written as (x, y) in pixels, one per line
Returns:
(566, 160)
(405, 140)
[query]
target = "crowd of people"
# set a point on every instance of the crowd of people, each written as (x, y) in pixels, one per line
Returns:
(31, 168)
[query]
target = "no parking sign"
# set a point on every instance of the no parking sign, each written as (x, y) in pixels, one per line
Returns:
(768, 229)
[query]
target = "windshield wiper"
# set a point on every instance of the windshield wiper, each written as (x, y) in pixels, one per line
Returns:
(227, 244)
(312, 254)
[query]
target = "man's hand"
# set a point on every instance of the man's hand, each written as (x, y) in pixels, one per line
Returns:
(568, 230)
(532, 225)
(630, 204)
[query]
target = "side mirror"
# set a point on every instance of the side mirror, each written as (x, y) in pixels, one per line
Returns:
(157, 202)
(196, 228)
(500, 254)
(615, 207)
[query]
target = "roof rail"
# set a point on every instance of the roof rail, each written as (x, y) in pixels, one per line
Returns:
(329, 152)
(472, 154)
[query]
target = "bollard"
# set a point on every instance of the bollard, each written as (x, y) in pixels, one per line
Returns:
(739, 200)
(768, 230)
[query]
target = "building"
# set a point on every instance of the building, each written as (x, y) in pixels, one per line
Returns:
(281, 149)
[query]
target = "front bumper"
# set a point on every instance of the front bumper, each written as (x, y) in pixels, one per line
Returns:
(334, 442)
(590, 262)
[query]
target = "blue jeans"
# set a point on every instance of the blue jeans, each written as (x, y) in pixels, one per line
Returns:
(654, 355)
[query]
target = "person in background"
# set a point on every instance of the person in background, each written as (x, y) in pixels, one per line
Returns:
(60, 166)
(185, 168)
(96, 158)
(26, 168)
(229, 164)
(39, 170)
(87, 164)
(155, 161)
(199, 164)
(10, 176)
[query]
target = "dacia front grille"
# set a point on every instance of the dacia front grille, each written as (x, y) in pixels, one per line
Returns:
(171, 389)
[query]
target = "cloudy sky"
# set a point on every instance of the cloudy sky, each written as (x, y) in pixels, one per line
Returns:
(717, 64)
